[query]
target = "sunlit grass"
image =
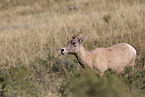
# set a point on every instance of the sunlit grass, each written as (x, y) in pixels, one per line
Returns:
(32, 29)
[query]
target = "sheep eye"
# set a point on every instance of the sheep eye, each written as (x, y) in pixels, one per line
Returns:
(74, 44)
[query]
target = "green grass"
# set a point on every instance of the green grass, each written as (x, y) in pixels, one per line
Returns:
(33, 31)
(45, 79)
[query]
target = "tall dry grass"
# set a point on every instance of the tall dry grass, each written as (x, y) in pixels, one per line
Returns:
(32, 29)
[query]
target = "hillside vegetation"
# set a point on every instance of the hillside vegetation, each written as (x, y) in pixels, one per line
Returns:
(33, 31)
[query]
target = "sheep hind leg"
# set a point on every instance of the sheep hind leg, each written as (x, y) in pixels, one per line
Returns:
(120, 71)
(132, 63)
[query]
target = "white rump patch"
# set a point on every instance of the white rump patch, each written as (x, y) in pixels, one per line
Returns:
(132, 48)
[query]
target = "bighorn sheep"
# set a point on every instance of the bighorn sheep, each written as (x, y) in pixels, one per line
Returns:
(114, 58)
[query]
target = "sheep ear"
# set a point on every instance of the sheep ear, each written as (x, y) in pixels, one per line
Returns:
(81, 40)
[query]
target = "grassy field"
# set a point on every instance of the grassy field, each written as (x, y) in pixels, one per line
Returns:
(33, 31)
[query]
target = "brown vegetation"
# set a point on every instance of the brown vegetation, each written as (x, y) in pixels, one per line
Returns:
(35, 28)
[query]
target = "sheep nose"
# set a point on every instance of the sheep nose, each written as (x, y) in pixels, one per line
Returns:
(62, 49)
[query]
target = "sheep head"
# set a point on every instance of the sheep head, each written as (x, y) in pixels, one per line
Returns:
(73, 45)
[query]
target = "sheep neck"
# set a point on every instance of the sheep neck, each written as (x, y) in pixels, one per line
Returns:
(83, 57)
